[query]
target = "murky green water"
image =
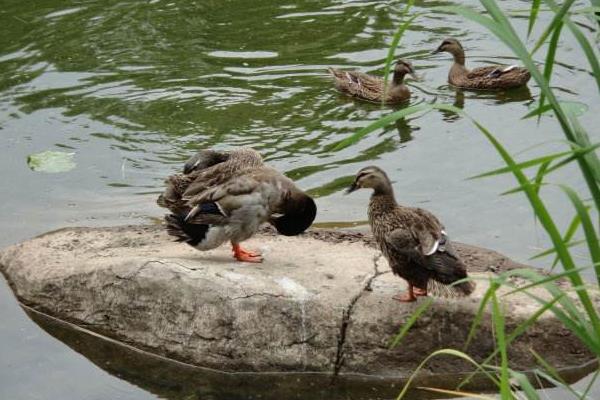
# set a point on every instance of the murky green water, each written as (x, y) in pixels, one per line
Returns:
(134, 87)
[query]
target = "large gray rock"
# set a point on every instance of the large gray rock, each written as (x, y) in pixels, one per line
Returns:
(320, 303)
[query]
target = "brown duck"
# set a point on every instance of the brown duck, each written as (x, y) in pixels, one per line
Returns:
(371, 88)
(492, 77)
(226, 196)
(412, 240)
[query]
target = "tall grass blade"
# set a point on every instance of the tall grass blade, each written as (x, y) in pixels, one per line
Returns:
(550, 57)
(478, 317)
(558, 16)
(457, 393)
(553, 250)
(523, 165)
(535, 8)
(498, 320)
(588, 228)
(539, 176)
(410, 322)
(448, 352)
(553, 373)
(524, 385)
(585, 45)
(380, 123)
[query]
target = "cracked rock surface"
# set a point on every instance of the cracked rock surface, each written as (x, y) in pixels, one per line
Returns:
(320, 302)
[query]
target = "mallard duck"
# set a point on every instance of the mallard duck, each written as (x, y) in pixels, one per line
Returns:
(203, 170)
(229, 203)
(413, 241)
(488, 78)
(370, 88)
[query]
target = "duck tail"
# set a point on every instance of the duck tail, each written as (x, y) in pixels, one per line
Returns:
(183, 231)
(446, 269)
(161, 201)
(462, 289)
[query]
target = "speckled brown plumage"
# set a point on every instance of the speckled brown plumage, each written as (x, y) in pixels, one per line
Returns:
(412, 239)
(494, 77)
(204, 170)
(371, 88)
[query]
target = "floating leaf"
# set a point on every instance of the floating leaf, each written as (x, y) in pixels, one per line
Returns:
(576, 108)
(51, 161)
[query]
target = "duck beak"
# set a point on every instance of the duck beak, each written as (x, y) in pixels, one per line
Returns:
(189, 166)
(352, 188)
(436, 51)
(414, 75)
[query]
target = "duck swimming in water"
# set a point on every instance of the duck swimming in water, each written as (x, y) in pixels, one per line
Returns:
(413, 241)
(371, 88)
(227, 196)
(492, 77)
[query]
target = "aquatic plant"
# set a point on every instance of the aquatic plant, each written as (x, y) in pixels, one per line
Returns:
(573, 307)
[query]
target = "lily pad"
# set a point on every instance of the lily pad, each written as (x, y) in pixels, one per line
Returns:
(575, 108)
(51, 161)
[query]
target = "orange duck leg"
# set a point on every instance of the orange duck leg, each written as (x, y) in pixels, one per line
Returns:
(245, 255)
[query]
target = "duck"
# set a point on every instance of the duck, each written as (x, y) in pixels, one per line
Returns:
(371, 88)
(493, 77)
(413, 241)
(223, 203)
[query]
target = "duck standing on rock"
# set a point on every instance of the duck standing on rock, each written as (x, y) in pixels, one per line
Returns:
(227, 196)
(371, 88)
(492, 77)
(412, 240)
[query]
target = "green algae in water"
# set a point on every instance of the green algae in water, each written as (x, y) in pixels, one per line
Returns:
(51, 162)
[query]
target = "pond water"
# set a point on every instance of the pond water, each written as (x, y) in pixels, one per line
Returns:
(133, 88)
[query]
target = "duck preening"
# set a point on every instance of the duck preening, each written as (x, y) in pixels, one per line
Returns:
(226, 196)
(493, 77)
(371, 88)
(413, 241)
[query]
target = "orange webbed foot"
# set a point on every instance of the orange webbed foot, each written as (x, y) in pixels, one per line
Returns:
(246, 255)
(420, 292)
(406, 297)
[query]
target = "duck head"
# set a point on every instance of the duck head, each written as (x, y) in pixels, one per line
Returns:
(449, 45)
(402, 68)
(371, 177)
(203, 159)
(298, 213)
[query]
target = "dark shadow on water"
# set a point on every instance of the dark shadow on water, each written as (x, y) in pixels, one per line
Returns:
(171, 379)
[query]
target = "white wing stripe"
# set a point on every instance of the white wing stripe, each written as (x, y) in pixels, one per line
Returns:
(434, 248)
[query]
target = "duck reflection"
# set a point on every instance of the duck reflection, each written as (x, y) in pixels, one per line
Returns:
(519, 95)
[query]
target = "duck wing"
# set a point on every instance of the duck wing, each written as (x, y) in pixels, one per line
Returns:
(358, 84)
(237, 163)
(236, 193)
(426, 243)
(498, 77)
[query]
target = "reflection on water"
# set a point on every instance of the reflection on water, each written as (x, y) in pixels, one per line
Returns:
(171, 379)
(133, 88)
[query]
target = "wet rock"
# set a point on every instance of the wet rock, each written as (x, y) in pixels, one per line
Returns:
(320, 303)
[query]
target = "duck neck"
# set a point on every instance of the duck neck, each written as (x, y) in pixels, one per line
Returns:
(398, 78)
(459, 56)
(384, 190)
